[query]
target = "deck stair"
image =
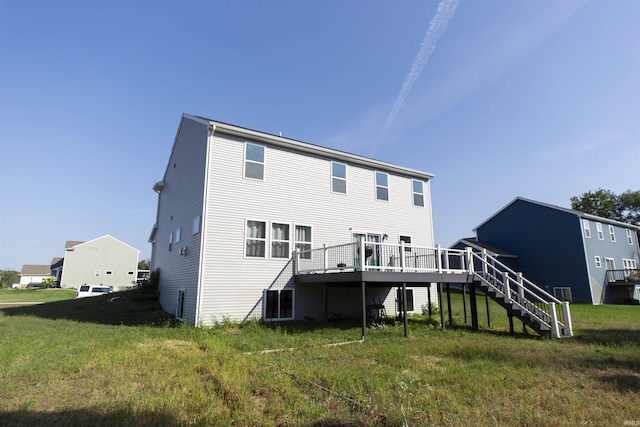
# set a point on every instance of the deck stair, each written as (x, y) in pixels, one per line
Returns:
(521, 298)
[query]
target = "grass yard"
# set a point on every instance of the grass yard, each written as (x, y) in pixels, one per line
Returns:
(35, 295)
(93, 362)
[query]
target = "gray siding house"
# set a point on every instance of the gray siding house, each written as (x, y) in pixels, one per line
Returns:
(576, 256)
(102, 261)
(234, 204)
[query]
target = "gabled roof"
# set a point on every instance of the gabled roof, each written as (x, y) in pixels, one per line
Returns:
(35, 270)
(558, 208)
(98, 238)
(57, 262)
(494, 251)
(317, 150)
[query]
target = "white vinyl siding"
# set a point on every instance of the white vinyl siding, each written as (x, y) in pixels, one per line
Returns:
(587, 230)
(232, 286)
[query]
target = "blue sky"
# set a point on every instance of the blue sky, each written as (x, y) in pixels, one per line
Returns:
(497, 98)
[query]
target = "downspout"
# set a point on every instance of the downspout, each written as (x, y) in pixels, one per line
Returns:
(203, 224)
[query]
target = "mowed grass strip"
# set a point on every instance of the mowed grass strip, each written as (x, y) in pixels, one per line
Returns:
(35, 295)
(92, 362)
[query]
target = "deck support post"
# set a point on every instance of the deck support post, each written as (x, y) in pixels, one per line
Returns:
(441, 306)
(464, 301)
(404, 309)
(364, 310)
(449, 305)
(326, 303)
(486, 297)
(511, 330)
(429, 301)
(474, 306)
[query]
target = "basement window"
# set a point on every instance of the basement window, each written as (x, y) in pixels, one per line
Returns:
(180, 304)
(399, 305)
(278, 305)
(563, 294)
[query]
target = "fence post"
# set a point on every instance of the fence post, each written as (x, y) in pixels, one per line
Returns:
(520, 288)
(555, 332)
(470, 260)
(363, 257)
(446, 260)
(324, 254)
(505, 287)
(438, 258)
(296, 261)
(567, 319)
(402, 255)
(485, 267)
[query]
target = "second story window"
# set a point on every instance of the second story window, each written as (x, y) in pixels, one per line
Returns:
(255, 239)
(418, 192)
(600, 232)
(338, 177)
(382, 186)
(587, 230)
(629, 237)
(612, 233)
(253, 161)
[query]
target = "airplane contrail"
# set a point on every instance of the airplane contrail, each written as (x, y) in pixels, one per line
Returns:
(438, 25)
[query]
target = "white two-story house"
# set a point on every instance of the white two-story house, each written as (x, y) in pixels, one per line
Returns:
(235, 203)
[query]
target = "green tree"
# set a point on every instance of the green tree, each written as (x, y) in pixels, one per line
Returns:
(8, 277)
(144, 264)
(630, 206)
(604, 203)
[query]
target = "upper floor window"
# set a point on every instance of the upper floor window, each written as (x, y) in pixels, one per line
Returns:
(170, 241)
(177, 235)
(253, 161)
(418, 192)
(598, 261)
(382, 186)
(338, 177)
(196, 225)
(612, 233)
(629, 237)
(303, 240)
(587, 230)
(255, 239)
(600, 232)
(280, 240)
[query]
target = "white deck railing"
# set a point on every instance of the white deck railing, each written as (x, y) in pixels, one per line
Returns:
(506, 284)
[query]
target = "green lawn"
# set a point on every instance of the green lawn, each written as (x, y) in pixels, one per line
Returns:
(35, 295)
(94, 362)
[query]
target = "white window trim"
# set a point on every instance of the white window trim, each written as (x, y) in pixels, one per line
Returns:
(272, 240)
(586, 228)
(295, 241)
(375, 179)
(599, 230)
(266, 238)
(629, 237)
(564, 288)
(631, 262)
(413, 193)
(597, 261)
(278, 319)
(170, 241)
(407, 246)
(182, 295)
(97, 273)
(612, 233)
(196, 225)
(263, 163)
(345, 179)
(613, 262)
(178, 235)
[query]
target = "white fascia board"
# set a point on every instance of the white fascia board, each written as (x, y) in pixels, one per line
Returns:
(316, 150)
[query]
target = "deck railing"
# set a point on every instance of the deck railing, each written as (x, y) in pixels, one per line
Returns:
(628, 275)
(506, 284)
(381, 257)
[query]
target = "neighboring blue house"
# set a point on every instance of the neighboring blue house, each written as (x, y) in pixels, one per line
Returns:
(576, 256)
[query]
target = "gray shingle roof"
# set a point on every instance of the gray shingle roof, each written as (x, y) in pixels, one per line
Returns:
(33, 269)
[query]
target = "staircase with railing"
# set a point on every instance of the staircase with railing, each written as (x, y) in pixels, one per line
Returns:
(522, 299)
